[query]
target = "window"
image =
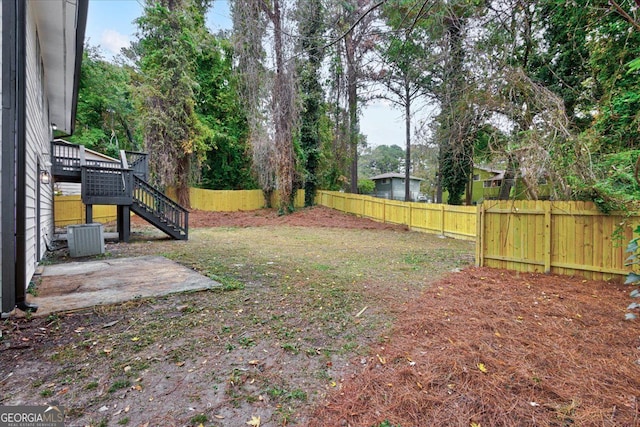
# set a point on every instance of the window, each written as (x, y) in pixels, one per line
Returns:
(492, 183)
(476, 177)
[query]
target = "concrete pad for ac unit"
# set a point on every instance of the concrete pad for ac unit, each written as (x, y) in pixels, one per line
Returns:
(76, 285)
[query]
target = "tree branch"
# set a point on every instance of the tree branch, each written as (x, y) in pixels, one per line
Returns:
(624, 14)
(368, 11)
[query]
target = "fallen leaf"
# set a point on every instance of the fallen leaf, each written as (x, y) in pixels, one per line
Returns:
(254, 421)
(218, 416)
(110, 324)
(333, 383)
(474, 424)
(254, 362)
(381, 359)
(362, 311)
(134, 339)
(179, 363)
(482, 368)
(107, 350)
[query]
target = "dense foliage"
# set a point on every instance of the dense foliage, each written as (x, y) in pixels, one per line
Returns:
(105, 115)
(547, 90)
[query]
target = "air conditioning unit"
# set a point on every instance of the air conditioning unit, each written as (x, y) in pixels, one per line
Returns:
(85, 239)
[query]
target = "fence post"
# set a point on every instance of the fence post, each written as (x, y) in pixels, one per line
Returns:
(384, 210)
(480, 237)
(547, 237)
(442, 219)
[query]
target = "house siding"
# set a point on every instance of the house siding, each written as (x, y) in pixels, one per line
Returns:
(393, 188)
(38, 134)
(1, 161)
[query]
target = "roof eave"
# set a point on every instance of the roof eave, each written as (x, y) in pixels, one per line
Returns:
(61, 27)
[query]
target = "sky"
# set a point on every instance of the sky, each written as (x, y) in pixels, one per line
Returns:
(110, 25)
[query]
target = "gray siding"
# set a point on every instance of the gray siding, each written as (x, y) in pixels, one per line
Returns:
(38, 135)
(0, 159)
(393, 188)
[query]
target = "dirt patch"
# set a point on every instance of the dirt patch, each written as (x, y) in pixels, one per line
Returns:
(347, 322)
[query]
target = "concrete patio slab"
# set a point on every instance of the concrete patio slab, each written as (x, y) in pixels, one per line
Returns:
(77, 285)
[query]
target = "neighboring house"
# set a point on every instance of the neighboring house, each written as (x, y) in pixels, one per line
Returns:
(63, 188)
(392, 186)
(42, 43)
(486, 183)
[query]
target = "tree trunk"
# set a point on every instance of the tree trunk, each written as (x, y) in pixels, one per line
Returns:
(352, 99)
(282, 112)
(407, 161)
(182, 182)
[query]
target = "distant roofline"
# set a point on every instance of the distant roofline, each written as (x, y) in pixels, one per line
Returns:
(394, 175)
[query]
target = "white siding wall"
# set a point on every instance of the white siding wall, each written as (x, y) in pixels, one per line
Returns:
(0, 157)
(38, 136)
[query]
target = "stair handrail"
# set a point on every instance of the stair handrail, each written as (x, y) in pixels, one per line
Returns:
(138, 161)
(160, 205)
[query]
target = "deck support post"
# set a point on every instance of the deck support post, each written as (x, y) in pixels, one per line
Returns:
(124, 223)
(88, 214)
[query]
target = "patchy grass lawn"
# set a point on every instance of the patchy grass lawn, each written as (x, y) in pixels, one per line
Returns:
(299, 310)
(329, 320)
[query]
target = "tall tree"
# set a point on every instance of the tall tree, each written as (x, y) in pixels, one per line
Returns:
(227, 165)
(406, 70)
(276, 157)
(311, 29)
(381, 159)
(456, 118)
(170, 33)
(353, 35)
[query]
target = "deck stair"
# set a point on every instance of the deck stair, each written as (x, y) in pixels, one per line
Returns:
(123, 184)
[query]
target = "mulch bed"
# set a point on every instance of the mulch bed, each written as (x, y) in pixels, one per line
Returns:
(317, 216)
(489, 347)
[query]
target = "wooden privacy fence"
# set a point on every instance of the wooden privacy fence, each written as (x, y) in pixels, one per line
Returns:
(234, 200)
(459, 222)
(570, 238)
(69, 210)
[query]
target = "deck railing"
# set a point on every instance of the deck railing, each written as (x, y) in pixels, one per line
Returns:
(68, 159)
(106, 186)
(139, 163)
(160, 206)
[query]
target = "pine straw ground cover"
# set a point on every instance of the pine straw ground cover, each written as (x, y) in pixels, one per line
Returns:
(494, 348)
